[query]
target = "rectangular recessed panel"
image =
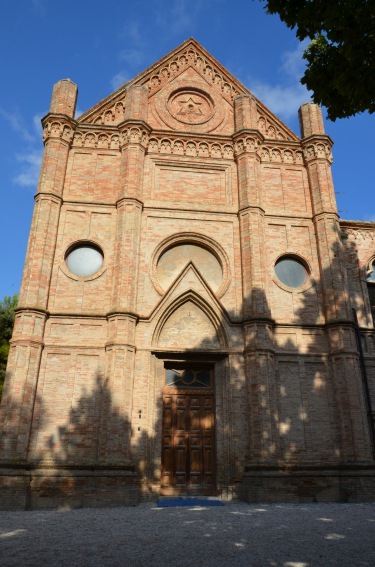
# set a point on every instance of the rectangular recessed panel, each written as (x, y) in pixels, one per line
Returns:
(294, 190)
(273, 197)
(167, 418)
(191, 184)
(79, 178)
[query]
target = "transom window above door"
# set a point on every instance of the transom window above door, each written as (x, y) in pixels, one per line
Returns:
(190, 377)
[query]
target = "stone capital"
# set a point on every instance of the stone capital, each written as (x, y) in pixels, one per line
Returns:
(58, 126)
(317, 147)
(134, 132)
(247, 142)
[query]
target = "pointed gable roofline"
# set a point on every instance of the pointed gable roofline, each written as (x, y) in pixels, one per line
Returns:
(190, 53)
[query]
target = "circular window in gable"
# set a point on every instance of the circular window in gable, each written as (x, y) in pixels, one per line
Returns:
(291, 271)
(84, 259)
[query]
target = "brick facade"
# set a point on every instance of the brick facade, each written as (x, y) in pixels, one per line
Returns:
(192, 191)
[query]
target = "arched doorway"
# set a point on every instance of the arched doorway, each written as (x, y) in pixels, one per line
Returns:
(194, 340)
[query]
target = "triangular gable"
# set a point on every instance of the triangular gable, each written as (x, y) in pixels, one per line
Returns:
(190, 280)
(189, 54)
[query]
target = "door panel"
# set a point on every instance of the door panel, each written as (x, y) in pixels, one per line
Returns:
(188, 450)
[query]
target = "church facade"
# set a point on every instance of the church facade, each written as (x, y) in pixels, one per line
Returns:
(194, 317)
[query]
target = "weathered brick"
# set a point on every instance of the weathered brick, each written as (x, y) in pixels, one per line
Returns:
(184, 165)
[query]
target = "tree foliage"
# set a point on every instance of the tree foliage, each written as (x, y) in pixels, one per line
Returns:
(7, 307)
(341, 56)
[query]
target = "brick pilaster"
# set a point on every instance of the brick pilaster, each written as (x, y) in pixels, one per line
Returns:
(246, 143)
(261, 390)
(57, 136)
(120, 354)
(28, 334)
(120, 349)
(134, 135)
(344, 356)
(258, 326)
(317, 150)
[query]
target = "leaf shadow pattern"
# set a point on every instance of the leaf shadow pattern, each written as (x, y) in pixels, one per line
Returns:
(290, 412)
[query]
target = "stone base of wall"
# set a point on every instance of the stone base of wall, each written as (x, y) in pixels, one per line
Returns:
(24, 488)
(346, 483)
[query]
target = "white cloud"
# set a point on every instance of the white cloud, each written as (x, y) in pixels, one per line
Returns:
(30, 159)
(285, 96)
(182, 14)
(38, 6)
(293, 64)
(133, 57)
(78, 113)
(131, 31)
(17, 124)
(119, 79)
(38, 124)
(29, 169)
(284, 101)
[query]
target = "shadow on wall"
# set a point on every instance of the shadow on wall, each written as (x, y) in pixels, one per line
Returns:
(296, 409)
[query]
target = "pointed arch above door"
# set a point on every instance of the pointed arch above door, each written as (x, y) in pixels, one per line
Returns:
(189, 323)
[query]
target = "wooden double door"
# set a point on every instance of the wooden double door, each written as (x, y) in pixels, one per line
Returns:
(188, 437)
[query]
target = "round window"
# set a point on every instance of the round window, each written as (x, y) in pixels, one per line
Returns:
(291, 272)
(84, 259)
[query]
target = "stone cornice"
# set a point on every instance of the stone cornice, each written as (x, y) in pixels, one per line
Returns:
(51, 196)
(276, 151)
(356, 224)
(26, 340)
(52, 117)
(317, 138)
(165, 142)
(222, 147)
(281, 153)
(129, 200)
(324, 215)
(133, 122)
(127, 314)
(357, 230)
(120, 345)
(193, 146)
(35, 310)
(102, 138)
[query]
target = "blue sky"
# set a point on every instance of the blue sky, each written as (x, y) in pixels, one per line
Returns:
(100, 45)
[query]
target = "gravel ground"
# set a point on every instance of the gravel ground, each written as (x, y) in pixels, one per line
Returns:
(235, 535)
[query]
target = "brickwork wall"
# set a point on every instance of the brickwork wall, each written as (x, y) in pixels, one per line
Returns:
(184, 155)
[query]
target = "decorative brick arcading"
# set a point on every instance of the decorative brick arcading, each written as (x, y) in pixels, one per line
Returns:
(191, 57)
(191, 192)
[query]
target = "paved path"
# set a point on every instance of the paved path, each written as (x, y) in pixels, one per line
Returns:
(235, 535)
